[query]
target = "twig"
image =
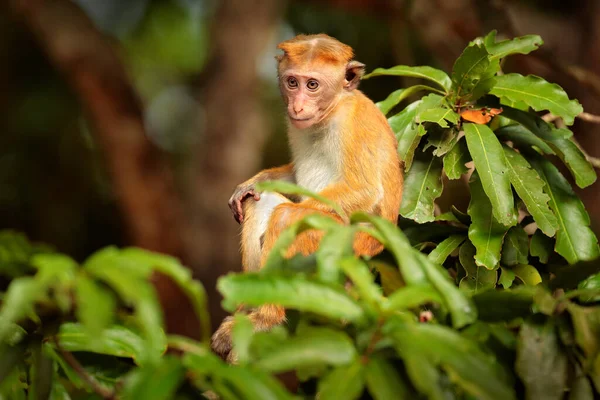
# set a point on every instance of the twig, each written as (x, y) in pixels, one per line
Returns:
(96, 386)
(589, 117)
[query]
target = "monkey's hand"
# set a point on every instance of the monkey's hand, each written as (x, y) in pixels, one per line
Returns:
(241, 193)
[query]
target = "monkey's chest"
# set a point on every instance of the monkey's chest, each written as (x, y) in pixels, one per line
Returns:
(317, 169)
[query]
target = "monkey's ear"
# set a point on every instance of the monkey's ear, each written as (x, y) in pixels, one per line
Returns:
(354, 71)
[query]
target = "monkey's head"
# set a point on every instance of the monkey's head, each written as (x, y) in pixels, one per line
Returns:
(315, 72)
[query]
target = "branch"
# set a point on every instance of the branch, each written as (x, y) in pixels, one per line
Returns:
(96, 386)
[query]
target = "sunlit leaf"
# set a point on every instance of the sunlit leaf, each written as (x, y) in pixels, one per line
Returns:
(492, 169)
(445, 248)
(527, 274)
(425, 72)
(485, 233)
(478, 277)
(455, 160)
(473, 73)
(95, 305)
(575, 241)
(397, 96)
(335, 245)
(538, 94)
(311, 347)
(407, 132)
(519, 45)
(411, 297)
(290, 292)
(422, 185)
(507, 277)
(530, 188)
(438, 115)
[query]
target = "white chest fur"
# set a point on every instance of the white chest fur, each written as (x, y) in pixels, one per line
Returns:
(317, 158)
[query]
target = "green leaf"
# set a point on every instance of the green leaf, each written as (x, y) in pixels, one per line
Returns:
(520, 45)
(515, 247)
(491, 167)
(522, 138)
(344, 382)
(391, 280)
(530, 188)
(383, 381)
(591, 282)
(455, 160)
(246, 383)
(425, 72)
(541, 364)
(541, 246)
(507, 277)
(411, 297)
(438, 115)
(17, 303)
(476, 372)
(335, 245)
(291, 188)
(312, 347)
(426, 377)
(478, 278)
(407, 132)
(558, 140)
(289, 292)
(442, 139)
(359, 274)
(575, 241)
(527, 274)
(445, 248)
(504, 305)
(396, 242)
(241, 337)
(157, 382)
(473, 74)
(586, 324)
(95, 306)
(397, 96)
(422, 185)
(115, 341)
(538, 94)
(485, 232)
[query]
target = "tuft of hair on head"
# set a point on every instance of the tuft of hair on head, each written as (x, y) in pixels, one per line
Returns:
(315, 47)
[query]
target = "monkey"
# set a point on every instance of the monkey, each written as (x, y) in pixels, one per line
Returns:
(342, 147)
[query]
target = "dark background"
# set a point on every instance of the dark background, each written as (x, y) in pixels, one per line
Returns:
(131, 122)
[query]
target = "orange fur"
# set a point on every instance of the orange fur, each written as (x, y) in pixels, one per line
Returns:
(346, 151)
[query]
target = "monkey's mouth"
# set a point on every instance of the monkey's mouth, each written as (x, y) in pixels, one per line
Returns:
(300, 119)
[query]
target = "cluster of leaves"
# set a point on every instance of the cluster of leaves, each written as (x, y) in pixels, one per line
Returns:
(522, 209)
(356, 326)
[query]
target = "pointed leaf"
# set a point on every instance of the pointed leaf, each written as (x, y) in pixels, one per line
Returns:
(558, 140)
(335, 245)
(312, 347)
(411, 297)
(520, 45)
(397, 96)
(538, 94)
(438, 115)
(289, 292)
(408, 133)
(522, 138)
(422, 185)
(359, 274)
(478, 278)
(95, 305)
(541, 246)
(443, 140)
(158, 382)
(530, 188)
(575, 241)
(428, 73)
(485, 232)
(491, 167)
(455, 160)
(445, 248)
(515, 247)
(473, 74)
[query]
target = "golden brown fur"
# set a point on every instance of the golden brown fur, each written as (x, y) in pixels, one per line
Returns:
(342, 147)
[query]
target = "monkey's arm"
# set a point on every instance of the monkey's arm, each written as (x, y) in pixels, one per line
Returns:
(247, 189)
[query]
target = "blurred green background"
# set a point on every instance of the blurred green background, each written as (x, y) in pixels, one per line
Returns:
(131, 122)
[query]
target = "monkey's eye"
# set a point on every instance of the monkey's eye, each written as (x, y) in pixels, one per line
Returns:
(312, 85)
(292, 82)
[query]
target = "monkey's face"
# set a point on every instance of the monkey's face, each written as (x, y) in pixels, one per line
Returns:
(310, 94)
